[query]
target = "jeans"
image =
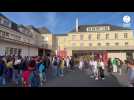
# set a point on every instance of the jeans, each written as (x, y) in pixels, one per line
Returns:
(61, 71)
(58, 71)
(15, 72)
(54, 70)
(1, 80)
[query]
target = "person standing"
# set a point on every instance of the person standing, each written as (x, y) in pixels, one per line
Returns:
(95, 69)
(54, 66)
(91, 73)
(2, 65)
(72, 63)
(62, 67)
(109, 65)
(119, 64)
(114, 63)
(81, 63)
(9, 70)
(130, 66)
(102, 69)
(67, 62)
(42, 73)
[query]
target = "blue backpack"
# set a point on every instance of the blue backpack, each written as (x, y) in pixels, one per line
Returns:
(34, 79)
(9, 72)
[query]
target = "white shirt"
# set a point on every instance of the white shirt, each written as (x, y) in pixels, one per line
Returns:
(91, 63)
(67, 60)
(102, 64)
(18, 61)
(95, 64)
(81, 64)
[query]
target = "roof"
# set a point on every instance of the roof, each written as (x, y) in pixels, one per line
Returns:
(1, 15)
(82, 28)
(32, 27)
(60, 34)
(43, 30)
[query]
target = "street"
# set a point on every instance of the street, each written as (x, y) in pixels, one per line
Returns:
(81, 79)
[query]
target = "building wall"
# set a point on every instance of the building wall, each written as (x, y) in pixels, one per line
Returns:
(26, 50)
(49, 41)
(68, 41)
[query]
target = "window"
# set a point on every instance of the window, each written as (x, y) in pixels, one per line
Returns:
(116, 43)
(73, 37)
(99, 44)
(7, 34)
(73, 44)
(42, 37)
(107, 44)
(97, 28)
(3, 34)
(89, 36)
(46, 38)
(107, 36)
(90, 44)
(125, 35)
(93, 28)
(98, 36)
(116, 36)
(126, 43)
(81, 44)
(81, 37)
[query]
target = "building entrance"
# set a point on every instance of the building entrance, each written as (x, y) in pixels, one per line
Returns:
(94, 54)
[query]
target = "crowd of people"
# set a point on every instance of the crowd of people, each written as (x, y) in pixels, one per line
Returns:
(31, 71)
(24, 71)
(94, 67)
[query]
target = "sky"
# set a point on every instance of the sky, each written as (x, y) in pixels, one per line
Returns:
(63, 22)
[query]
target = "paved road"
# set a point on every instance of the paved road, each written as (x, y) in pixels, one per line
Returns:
(81, 79)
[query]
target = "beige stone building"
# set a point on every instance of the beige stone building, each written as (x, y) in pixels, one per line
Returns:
(103, 39)
(19, 39)
(113, 40)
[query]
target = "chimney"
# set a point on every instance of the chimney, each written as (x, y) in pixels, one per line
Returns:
(77, 24)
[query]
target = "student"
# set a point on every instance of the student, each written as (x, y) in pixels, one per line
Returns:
(34, 79)
(42, 73)
(95, 69)
(114, 63)
(1, 71)
(9, 70)
(72, 63)
(130, 65)
(25, 78)
(62, 67)
(55, 67)
(101, 69)
(81, 63)
(91, 73)
(67, 62)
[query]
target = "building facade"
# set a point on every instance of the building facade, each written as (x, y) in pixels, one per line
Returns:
(19, 39)
(101, 40)
(106, 40)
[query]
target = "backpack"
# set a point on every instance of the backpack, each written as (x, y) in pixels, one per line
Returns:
(34, 79)
(8, 72)
(55, 63)
(1, 69)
